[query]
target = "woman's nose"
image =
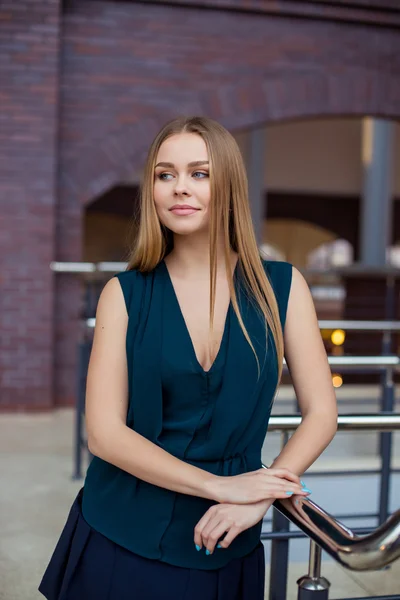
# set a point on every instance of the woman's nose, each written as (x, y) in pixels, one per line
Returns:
(181, 187)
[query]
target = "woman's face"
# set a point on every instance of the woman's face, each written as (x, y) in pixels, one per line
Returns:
(182, 184)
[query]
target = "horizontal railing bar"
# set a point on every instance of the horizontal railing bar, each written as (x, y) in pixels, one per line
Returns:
(350, 472)
(353, 422)
(390, 360)
(288, 535)
(105, 266)
(283, 535)
(395, 597)
(378, 326)
(88, 267)
(384, 361)
(360, 325)
(345, 400)
(339, 517)
(73, 267)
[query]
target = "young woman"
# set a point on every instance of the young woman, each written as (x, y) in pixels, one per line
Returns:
(186, 359)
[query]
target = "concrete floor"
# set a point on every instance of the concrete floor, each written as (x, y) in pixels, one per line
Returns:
(37, 492)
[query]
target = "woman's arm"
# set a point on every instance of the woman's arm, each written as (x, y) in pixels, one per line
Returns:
(110, 439)
(107, 402)
(311, 376)
(306, 358)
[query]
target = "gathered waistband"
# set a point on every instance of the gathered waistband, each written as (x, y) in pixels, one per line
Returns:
(228, 465)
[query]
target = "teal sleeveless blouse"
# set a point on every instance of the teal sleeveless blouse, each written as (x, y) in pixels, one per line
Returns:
(216, 420)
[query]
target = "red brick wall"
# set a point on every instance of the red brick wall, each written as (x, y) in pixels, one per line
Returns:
(129, 67)
(29, 34)
(125, 69)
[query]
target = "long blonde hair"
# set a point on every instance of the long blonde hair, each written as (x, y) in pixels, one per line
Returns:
(230, 213)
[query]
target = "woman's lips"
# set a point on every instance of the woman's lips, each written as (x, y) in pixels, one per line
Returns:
(184, 211)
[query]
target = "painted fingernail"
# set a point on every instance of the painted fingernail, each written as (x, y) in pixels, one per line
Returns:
(198, 548)
(302, 483)
(207, 552)
(289, 493)
(219, 546)
(307, 490)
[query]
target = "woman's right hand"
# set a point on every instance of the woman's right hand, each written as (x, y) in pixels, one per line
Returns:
(257, 485)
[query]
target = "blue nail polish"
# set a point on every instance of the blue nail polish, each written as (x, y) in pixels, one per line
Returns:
(198, 548)
(207, 552)
(289, 493)
(219, 546)
(302, 483)
(307, 490)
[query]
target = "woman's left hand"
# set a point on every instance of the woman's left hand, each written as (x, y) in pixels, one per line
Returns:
(231, 519)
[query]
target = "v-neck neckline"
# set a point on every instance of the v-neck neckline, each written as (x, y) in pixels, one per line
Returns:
(226, 323)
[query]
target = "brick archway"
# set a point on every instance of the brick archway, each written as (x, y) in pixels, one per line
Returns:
(244, 105)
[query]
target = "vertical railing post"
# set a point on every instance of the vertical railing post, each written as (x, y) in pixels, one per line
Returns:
(313, 586)
(387, 405)
(279, 551)
(386, 449)
(279, 559)
(84, 350)
(77, 474)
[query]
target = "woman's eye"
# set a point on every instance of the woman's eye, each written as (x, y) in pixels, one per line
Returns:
(169, 176)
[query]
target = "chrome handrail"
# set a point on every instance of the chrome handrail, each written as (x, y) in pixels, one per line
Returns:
(351, 422)
(358, 553)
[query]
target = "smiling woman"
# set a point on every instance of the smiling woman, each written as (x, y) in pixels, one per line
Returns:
(186, 359)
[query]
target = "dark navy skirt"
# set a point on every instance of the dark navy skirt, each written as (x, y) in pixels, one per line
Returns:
(88, 566)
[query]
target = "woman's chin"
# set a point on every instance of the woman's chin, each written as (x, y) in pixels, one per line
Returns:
(187, 228)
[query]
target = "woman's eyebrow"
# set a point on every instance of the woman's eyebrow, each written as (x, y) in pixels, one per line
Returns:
(195, 163)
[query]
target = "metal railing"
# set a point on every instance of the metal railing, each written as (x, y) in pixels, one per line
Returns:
(351, 422)
(350, 325)
(376, 549)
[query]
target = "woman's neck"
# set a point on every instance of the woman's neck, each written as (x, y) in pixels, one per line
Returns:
(190, 256)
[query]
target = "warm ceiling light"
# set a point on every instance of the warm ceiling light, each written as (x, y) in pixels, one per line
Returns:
(338, 336)
(337, 380)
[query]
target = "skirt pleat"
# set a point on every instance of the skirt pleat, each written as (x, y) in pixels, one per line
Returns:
(86, 565)
(71, 544)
